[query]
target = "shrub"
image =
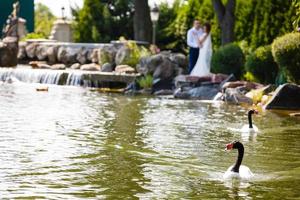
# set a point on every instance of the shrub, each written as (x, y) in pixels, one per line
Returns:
(262, 65)
(286, 52)
(146, 82)
(229, 59)
(33, 36)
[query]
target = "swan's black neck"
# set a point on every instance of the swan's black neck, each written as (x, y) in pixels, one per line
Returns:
(250, 119)
(239, 160)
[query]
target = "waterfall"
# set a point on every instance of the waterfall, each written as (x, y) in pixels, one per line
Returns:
(28, 75)
(74, 79)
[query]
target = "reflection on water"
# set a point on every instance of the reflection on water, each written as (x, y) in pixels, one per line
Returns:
(70, 143)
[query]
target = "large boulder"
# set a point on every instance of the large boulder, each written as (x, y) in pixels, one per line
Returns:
(41, 52)
(9, 52)
(82, 55)
(52, 54)
(30, 50)
(106, 54)
(286, 97)
(160, 66)
(124, 55)
(67, 55)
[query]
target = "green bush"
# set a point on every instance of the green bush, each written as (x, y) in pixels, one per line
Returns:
(33, 36)
(146, 82)
(229, 59)
(262, 65)
(286, 52)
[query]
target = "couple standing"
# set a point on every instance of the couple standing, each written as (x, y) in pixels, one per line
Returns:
(199, 41)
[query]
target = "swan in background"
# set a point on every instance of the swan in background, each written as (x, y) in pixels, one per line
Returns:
(250, 127)
(237, 170)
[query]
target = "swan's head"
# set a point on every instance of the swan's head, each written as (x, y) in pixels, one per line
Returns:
(252, 111)
(233, 145)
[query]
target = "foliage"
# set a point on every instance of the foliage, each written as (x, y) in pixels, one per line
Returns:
(33, 36)
(262, 65)
(248, 76)
(43, 21)
(260, 22)
(103, 20)
(286, 52)
(228, 59)
(296, 6)
(146, 82)
(135, 53)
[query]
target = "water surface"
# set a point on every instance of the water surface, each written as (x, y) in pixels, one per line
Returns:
(72, 143)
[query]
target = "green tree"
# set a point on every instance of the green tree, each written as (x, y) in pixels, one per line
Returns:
(103, 20)
(43, 20)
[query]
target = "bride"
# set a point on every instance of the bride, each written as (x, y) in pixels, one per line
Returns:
(202, 67)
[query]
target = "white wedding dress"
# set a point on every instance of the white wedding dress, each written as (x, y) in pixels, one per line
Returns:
(202, 67)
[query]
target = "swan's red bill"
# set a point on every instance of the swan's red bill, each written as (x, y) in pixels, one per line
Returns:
(255, 111)
(229, 146)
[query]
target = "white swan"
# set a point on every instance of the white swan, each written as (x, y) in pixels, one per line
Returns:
(237, 170)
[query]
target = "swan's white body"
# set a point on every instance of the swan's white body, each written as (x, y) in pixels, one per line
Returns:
(246, 129)
(245, 173)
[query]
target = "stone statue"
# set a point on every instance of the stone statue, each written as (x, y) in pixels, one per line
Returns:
(9, 46)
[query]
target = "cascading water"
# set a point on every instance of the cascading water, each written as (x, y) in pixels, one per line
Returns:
(31, 76)
(70, 77)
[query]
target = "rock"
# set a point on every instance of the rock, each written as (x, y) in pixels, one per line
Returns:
(160, 66)
(41, 52)
(286, 97)
(248, 85)
(75, 66)
(106, 54)
(93, 55)
(180, 59)
(58, 66)
(205, 92)
(67, 55)
(82, 56)
(162, 84)
(9, 52)
(37, 64)
(236, 96)
(52, 54)
(43, 66)
(90, 67)
(164, 92)
(33, 64)
(123, 55)
(107, 67)
(124, 69)
(30, 50)
(22, 51)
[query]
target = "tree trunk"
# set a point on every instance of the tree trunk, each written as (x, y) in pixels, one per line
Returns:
(142, 22)
(226, 19)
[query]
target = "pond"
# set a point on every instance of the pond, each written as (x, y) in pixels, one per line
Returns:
(73, 143)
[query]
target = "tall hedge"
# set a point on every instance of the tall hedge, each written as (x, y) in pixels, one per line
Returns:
(262, 65)
(286, 52)
(229, 59)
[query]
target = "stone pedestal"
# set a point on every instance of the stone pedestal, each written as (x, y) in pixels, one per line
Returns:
(61, 31)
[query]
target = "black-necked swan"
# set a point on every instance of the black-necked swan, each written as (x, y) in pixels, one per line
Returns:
(250, 127)
(237, 170)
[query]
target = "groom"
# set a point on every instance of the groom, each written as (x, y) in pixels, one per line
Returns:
(192, 41)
